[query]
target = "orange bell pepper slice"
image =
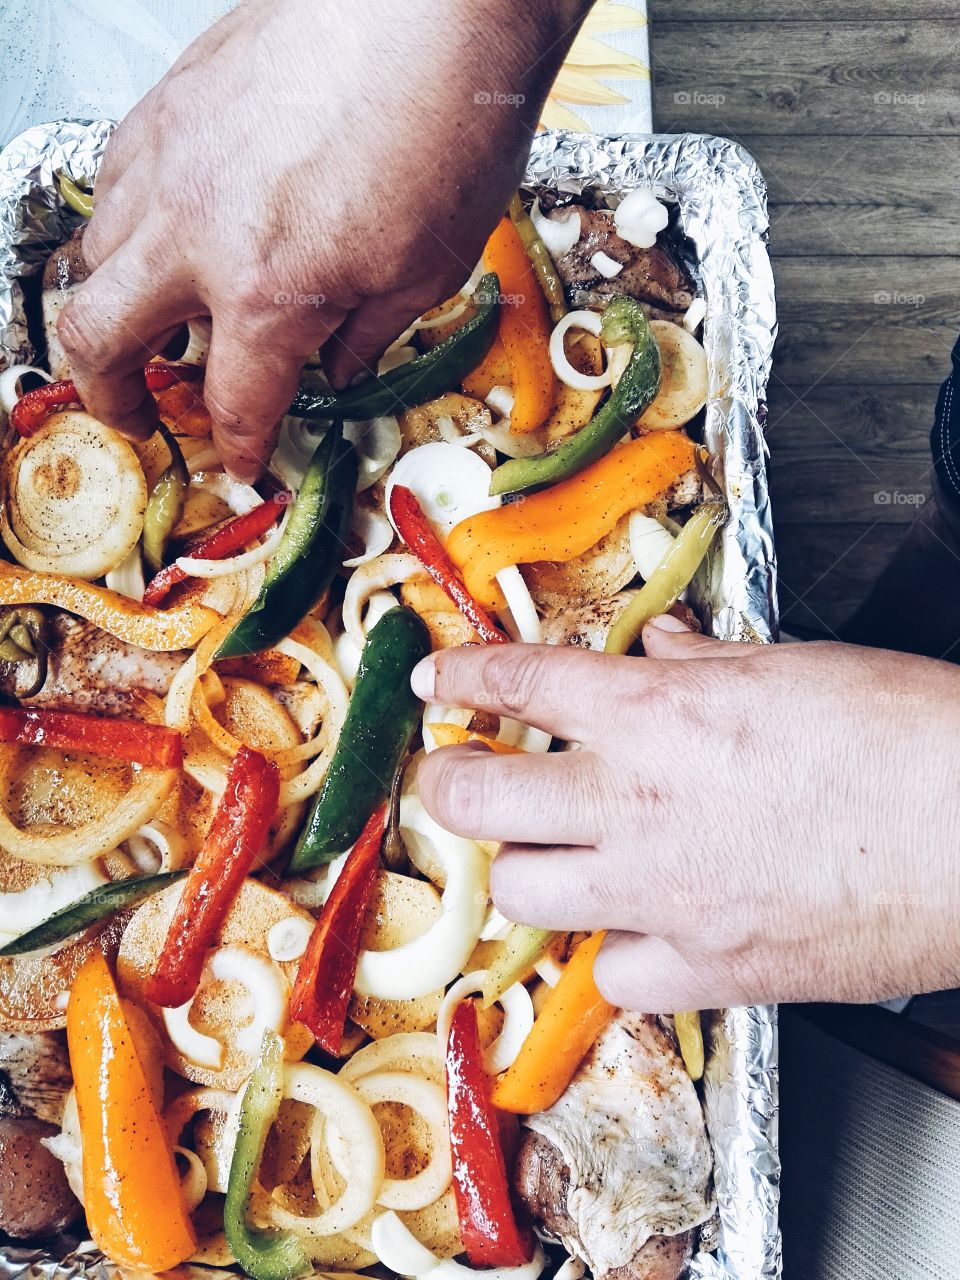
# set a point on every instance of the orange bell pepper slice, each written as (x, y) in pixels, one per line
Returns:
(454, 735)
(134, 1205)
(571, 1019)
(524, 328)
(567, 519)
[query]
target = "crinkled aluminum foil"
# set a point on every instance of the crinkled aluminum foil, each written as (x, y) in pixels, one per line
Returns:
(721, 202)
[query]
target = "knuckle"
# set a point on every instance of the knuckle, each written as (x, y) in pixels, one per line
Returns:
(512, 679)
(85, 338)
(455, 794)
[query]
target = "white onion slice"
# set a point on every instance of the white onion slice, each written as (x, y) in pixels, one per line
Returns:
(377, 534)
(374, 576)
(495, 926)
(200, 330)
(288, 939)
(399, 1250)
(198, 567)
(193, 1184)
(435, 713)
(649, 543)
(397, 354)
(239, 497)
(268, 988)
(10, 383)
(562, 367)
(523, 612)
(23, 909)
(639, 217)
(201, 1050)
(429, 1101)
(455, 312)
(157, 847)
(377, 442)
(608, 267)
(501, 400)
(517, 1020)
(694, 315)
(572, 1269)
(435, 958)
(127, 578)
(449, 483)
(549, 968)
(558, 234)
(452, 434)
(524, 445)
(296, 444)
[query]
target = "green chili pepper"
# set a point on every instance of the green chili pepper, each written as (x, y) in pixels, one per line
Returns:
(381, 719)
(165, 504)
(310, 551)
(23, 639)
(522, 948)
(662, 591)
(264, 1255)
(80, 201)
(623, 321)
(422, 379)
(93, 907)
(540, 260)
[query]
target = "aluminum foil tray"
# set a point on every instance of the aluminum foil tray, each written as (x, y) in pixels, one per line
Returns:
(720, 223)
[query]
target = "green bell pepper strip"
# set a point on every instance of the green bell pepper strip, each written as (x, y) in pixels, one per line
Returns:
(310, 551)
(264, 1255)
(540, 260)
(90, 909)
(79, 201)
(623, 321)
(165, 504)
(428, 376)
(522, 948)
(673, 575)
(381, 719)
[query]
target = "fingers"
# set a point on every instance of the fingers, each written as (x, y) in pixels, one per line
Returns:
(362, 339)
(112, 326)
(564, 888)
(249, 384)
(638, 971)
(667, 637)
(544, 798)
(542, 685)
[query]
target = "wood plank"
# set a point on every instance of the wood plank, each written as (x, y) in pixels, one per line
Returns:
(857, 453)
(866, 320)
(790, 77)
(735, 11)
(876, 196)
(827, 570)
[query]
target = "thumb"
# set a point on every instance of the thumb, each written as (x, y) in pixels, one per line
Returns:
(666, 637)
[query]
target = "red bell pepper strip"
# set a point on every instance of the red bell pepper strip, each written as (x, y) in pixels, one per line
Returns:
(152, 745)
(492, 1236)
(325, 978)
(30, 412)
(414, 529)
(237, 834)
(224, 541)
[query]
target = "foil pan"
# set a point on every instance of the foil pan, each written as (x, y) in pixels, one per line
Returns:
(720, 223)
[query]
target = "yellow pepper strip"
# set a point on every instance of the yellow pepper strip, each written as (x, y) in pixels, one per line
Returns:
(131, 1188)
(163, 630)
(690, 1039)
(567, 519)
(571, 1019)
(524, 328)
(454, 735)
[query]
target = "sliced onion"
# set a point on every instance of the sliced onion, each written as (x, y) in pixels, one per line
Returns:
(449, 483)
(495, 926)
(397, 354)
(127, 578)
(201, 1050)
(269, 992)
(523, 611)
(446, 317)
(288, 939)
(571, 1269)
(377, 534)
(376, 575)
(328, 679)
(25, 908)
(198, 567)
(10, 384)
(694, 315)
(67, 1146)
(200, 330)
(549, 968)
(435, 958)
(296, 445)
(157, 847)
(558, 234)
(434, 713)
(240, 498)
(428, 1100)
(562, 367)
(193, 1184)
(377, 442)
(512, 446)
(501, 400)
(412, 1051)
(452, 434)
(74, 497)
(339, 1103)
(608, 267)
(649, 543)
(517, 1020)
(639, 217)
(399, 1250)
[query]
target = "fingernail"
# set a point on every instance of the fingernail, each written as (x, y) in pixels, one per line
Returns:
(667, 622)
(423, 678)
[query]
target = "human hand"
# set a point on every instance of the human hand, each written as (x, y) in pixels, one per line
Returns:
(302, 172)
(752, 823)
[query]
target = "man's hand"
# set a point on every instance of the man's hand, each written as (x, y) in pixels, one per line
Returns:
(753, 823)
(304, 170)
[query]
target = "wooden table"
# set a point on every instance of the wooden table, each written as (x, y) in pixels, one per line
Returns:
(852, 110)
